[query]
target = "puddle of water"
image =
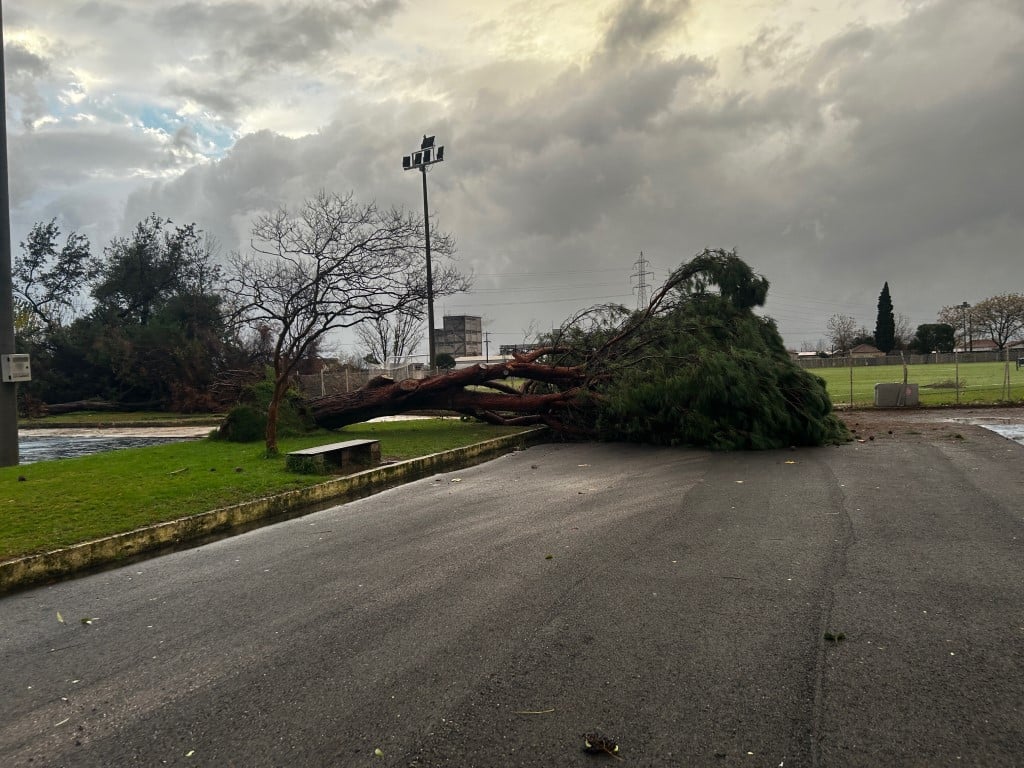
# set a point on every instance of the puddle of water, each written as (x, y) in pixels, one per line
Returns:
(33, 448)
(1010, 428)
(1013, 432)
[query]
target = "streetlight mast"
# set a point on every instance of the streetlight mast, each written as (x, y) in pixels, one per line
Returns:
(427, 154)
(8, 388)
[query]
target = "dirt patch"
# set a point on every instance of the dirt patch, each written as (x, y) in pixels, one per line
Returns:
(885, 423)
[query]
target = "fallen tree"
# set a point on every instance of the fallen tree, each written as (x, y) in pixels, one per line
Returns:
(695, 367)
(492, 401)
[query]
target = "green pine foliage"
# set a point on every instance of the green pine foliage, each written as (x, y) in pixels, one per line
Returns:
(713, 374)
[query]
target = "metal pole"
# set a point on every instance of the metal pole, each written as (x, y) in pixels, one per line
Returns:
(8, 391)
(430, 275)
(850, 354)
(956, 381)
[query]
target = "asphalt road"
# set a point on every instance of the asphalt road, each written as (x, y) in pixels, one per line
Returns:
(676, 601)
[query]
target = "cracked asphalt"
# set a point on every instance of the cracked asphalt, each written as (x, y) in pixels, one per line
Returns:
(848, 606)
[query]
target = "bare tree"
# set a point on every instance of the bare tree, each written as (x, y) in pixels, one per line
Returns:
(842, 329)
(390, 337)
(334, 263)
(961, 318)
(904, 334)
(1000, 318)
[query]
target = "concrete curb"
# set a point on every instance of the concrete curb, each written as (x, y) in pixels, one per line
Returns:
(153, 539)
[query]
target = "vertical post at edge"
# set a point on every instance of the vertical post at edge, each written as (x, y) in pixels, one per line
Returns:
(8, 390)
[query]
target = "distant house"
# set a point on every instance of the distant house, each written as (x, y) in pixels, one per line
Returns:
(983, 345)
(866, 350)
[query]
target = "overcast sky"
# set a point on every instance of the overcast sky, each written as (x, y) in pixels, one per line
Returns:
(837, 144)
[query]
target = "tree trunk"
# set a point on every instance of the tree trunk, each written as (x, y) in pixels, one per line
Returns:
(493, 401)
(273, 409)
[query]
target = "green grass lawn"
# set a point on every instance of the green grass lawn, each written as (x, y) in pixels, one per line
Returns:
(979, 382)
(68, 501)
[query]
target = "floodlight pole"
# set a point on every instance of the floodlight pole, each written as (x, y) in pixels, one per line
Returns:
(428, 154)
(8, 390)
(431, 350)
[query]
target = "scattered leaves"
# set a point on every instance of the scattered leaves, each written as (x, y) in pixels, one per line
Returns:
(378, 752)
(60, 618)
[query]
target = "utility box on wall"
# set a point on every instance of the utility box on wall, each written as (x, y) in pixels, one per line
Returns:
(896, 395)
(15, 368)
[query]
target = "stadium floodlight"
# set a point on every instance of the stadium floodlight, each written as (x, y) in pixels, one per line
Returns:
(427, 155)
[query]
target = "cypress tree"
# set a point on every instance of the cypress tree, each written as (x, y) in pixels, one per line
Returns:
(885, 325)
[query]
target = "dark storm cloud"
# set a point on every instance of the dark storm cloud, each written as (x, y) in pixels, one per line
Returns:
(26, 72)
(639, 23)
(264, 34)
(887, 152)
(215, 98)
(932, 146)
(66, 157)
(105, 12)
(262, 172)
(769, 49)
(241, 44)
(18, 60)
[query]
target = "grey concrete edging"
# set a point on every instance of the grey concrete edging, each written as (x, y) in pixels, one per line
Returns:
(69, 561)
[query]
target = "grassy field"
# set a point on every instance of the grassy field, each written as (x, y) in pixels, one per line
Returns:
(68, 501)
(978, 382)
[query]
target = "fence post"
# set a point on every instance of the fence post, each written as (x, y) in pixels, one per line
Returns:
(956, 368)
(850, 354)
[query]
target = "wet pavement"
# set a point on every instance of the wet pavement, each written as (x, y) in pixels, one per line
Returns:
(48, 444)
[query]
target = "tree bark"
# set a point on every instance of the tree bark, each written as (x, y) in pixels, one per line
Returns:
(492, 401)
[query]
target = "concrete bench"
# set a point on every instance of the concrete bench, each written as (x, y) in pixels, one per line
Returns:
(350, 455)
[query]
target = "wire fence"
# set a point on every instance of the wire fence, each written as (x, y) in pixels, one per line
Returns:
(347, 380)
(935, 358)
(939, 383)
